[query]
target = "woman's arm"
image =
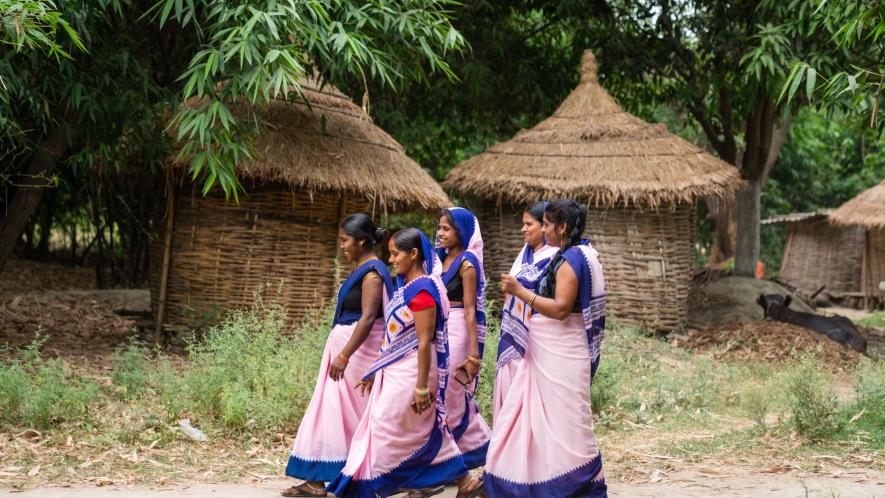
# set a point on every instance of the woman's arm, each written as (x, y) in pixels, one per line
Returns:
(560, 305)
(372, 289)
(425, 327)
(469, 281)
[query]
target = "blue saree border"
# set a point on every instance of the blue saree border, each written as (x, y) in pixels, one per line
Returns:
(576, 482)
(313, 470)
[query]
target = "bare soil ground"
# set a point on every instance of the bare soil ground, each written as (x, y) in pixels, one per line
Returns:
(689, 482)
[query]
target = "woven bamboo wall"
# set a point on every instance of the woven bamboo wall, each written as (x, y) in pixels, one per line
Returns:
(877, 260)
(222, 253)
(647, 258)
(818, 254)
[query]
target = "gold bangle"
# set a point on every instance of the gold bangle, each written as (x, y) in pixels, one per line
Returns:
(532, 302)
(474, 359)
(343, 357)
(422, 391)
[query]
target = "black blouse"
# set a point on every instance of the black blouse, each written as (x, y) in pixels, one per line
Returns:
(353, 300)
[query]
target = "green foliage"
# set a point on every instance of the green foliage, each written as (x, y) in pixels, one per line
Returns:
(874, 319)
(34, 25)
(256, 51)
(757, 400)
(523, 61)
(826, 160)
(249, 370)
(486, 390)
(39, 393)
(131, 370)
(606, 385)
(854, 85)
(867, 415)
(812, 399)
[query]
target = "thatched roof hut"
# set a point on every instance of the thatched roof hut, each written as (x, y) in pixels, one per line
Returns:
(818, 254)
(640, 182)
(867, 212)
(319, 158)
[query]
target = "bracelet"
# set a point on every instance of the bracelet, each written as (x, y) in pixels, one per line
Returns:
(476, 360)
(343, 357)
(422, 391)
(534, 296)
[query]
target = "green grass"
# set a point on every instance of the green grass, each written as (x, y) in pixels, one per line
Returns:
(875, 319)
(250, 376)
(39, 393)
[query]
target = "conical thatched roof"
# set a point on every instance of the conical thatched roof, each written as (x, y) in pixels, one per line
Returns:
(332, 144)
(867, 209)
(592, 151)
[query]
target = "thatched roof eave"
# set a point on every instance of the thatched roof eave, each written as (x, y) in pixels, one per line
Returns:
(867, 209)
(324, 142)
(593, 151)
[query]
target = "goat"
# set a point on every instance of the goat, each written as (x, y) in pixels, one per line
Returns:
(837, 328)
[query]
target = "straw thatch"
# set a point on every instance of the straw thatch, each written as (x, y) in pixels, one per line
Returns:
(592, 151)
(313, 165)
(321, 140)
(867, 209)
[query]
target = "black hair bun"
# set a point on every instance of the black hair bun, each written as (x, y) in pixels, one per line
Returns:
(379, 235)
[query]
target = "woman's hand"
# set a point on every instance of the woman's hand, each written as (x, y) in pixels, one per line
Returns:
(365, 386)
(470, 368)
(421, 402)
(336, 370)
(509, 284)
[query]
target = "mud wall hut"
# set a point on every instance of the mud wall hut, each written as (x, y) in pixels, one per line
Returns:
(639, 181)
(867, 212)
(313, 165)
(818, 254)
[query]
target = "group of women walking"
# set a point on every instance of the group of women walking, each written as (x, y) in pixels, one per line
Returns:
(394, 410)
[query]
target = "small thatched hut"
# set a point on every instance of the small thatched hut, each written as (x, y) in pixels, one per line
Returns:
(639, 181)
(312, 165)
(819, 254)
(867, 212)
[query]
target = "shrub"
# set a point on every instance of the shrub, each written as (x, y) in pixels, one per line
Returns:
(248, 367)
(131, 369)
(812, 398)
(38, 393)
(757, 401)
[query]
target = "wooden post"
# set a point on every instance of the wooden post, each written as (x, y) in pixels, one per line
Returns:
(786, 258)
(865, 271)
(167, 256)
(338, 253)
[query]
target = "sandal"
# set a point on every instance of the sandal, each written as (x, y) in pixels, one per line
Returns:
(476, 491)
(304, 490)
(425, 492)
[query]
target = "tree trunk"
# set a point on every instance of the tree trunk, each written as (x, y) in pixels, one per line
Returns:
(747, 224)
(764, 143)
(31, 183)
(722, 216)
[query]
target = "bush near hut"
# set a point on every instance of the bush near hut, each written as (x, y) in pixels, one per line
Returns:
(39, 393)
(812, 398)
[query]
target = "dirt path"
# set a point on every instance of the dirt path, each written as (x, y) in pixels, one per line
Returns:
(849, 483)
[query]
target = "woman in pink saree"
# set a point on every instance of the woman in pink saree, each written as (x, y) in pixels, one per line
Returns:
(403, 440)
(543, 443)
(335, 409)
(459, 247)
(515, 314)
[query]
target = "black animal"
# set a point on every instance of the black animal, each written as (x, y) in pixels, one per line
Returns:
(837, 328)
